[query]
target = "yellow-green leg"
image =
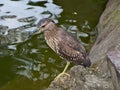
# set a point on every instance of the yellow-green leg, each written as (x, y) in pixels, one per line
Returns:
(64, 71)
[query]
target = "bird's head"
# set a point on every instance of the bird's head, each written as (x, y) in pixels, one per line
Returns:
(43, 25)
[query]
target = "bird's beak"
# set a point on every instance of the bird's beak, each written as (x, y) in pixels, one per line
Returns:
(35, 32)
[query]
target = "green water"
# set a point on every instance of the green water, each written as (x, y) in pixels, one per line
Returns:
(31, 65)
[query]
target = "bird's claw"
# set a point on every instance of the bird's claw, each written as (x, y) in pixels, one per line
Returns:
(61, 75)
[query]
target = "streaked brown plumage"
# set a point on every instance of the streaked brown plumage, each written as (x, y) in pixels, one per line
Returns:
(63, 43)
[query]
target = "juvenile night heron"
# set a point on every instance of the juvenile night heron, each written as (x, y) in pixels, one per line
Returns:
(63, 43)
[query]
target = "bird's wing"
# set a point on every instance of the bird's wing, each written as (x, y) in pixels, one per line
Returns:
(69, 40)
(69, 53)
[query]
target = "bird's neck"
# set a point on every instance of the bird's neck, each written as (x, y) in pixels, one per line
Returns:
(51, 35)
(51, 30)
(50, 26)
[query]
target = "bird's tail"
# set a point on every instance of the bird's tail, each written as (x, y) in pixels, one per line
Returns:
(87, 62)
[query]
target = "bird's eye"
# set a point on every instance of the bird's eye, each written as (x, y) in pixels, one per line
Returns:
(43, 26)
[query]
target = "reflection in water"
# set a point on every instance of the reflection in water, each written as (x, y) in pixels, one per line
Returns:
(23, 15)
(37, 59)
(31, 64)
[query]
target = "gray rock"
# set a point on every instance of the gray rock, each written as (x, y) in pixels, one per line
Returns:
(114, 67)
(114, 57)
(81, 79)
(108, 32)
(108, 40)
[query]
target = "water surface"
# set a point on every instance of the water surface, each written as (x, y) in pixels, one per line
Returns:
(31, 64)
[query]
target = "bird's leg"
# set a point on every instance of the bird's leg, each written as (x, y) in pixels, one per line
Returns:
(64, 71)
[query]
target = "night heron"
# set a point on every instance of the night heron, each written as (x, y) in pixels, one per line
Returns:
(63, 43)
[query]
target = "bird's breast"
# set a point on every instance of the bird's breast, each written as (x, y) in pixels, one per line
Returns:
(52, 41)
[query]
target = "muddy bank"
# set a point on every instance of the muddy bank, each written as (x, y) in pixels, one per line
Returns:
(104, 73)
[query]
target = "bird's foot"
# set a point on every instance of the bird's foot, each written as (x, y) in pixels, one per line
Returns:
(63, 73)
